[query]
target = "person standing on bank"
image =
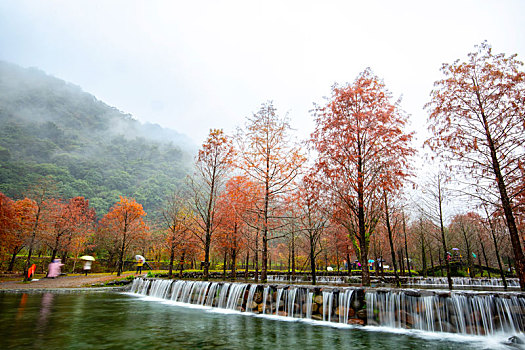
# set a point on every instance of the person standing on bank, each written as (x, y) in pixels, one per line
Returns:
(87, 267)
(140, 263)
(54, 269)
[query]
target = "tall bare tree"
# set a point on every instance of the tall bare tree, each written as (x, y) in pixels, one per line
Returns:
(213, 164)
(269, 157)
(477, 120)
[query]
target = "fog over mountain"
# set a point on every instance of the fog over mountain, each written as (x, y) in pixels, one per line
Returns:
(49, 127)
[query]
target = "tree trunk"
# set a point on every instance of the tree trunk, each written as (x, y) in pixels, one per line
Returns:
(391, 242)
(181, 263)
(406, 246)
(264, 270)
(484, 256)
(289, 273)
(172, 258)
(423, 252)
(337, 260)
(401, 262)
(66, 247)
(312, 259)
(480, 266)
(224, 264)
(505, 203)
(234, 263)
(256, 258)
(349, 265)
(16, 250)
(247, 264)
(206, 265)
(64, 256)
(443, 241)
(121, 256)
(362, 239)
(496, 249)
(293, 257)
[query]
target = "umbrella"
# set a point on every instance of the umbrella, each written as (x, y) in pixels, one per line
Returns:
(455, 248)
(140, 257)
(87, 257)
(371, 260)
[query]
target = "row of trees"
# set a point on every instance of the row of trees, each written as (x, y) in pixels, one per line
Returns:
(259, 195)
(362, 155)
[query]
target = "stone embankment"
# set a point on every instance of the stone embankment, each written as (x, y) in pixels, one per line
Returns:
(463, 312)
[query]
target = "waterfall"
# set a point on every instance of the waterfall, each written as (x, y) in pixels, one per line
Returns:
(265, 299)
(463, 313)
(299, 278)
(345, 299)
(177, 289)
(236, 291)
(159, 288)
(136, 284)
(221, 303)
(309, 301)
(212, 293)
(249, 300)
(202, 288)
(292, 292)
(463, 282)
(140, 286)
(327, 305)
(278, 300)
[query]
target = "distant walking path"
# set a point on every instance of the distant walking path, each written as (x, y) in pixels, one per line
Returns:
(73, 281)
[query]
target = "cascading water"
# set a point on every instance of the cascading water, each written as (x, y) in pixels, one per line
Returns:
(463, 313)
(345, 298)
(468, 313)
(309, 301)
(265, 299)
(249, 300)
(298, 278)
(327, 305)
(278, 300)
(462, 282)
(237, 290)
(212, 293)
(290, 306)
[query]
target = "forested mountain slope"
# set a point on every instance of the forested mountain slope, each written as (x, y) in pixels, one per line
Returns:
(50, 127)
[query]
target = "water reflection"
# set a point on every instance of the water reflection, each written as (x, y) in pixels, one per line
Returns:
(21, 307)
(113, 321)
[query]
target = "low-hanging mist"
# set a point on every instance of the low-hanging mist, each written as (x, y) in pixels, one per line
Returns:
(49, 127)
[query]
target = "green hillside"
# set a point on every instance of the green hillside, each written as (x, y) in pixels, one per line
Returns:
(52, 128)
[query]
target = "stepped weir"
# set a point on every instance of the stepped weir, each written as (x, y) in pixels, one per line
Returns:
(461, 312)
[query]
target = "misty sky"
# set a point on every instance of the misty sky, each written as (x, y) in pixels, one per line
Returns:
(196, 65)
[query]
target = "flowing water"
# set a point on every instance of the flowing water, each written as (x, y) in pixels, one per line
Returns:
(462, 282)
(110, 320)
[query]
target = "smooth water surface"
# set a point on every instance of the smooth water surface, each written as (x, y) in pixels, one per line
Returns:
(109, 320)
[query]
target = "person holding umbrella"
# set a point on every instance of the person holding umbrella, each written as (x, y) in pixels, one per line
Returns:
(87, 264)
(140, 262)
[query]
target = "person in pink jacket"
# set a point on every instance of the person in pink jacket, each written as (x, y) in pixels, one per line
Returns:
(54, 268)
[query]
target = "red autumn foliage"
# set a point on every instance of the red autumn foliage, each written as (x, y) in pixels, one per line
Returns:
(123, 225)
(215, 160)
(362, 151)
(477, 121)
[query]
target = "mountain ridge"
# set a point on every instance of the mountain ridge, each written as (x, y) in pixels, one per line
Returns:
(49, 127)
